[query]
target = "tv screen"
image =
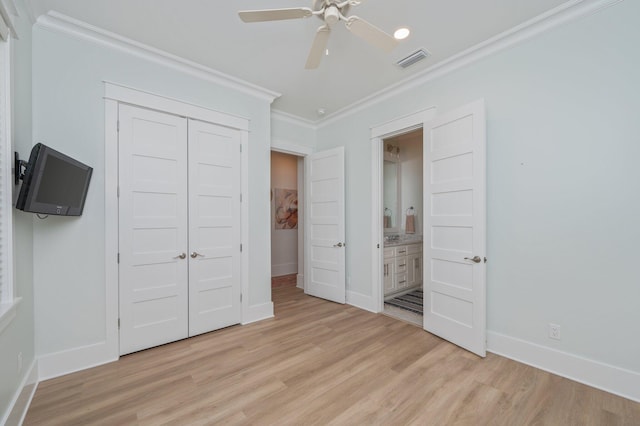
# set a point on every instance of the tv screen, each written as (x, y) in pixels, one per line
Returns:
(54, 183)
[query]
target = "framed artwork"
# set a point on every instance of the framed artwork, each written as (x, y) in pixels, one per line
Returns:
(286, 208)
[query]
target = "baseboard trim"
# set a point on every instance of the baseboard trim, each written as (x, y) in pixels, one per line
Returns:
(300, 281)
(76, 359)
(615, 380)
(259, 313)
(21, 401)
(361, 301)
(284, 269)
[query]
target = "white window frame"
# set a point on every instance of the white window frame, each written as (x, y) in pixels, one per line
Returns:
(8, 299)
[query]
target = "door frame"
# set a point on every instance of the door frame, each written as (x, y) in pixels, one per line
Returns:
(302, 152)
(379, 133)
(115, 94)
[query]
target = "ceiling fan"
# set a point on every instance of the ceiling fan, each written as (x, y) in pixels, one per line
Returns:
(331, 12)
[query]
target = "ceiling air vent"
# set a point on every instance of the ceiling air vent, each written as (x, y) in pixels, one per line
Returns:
(416, 56)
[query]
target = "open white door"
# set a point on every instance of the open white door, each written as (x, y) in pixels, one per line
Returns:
(214, 227)
(455, 235)
(324, 233)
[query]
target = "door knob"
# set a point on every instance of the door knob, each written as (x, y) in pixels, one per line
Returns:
(338, 245)
(181, 256)
(196, 254)
(475, 259)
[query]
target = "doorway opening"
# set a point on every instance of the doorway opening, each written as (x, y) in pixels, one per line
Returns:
(402, 227)
(287, 226)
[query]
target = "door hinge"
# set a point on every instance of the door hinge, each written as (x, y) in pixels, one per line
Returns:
(240, 297)
(118, 323)
(118, 257)
(118, 126)
(118, 191)
(485, 260)
(240, 148)
(378, 245)
(240, 197)
(240, 248)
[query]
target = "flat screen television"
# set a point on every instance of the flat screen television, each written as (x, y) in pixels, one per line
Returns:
(53, 183)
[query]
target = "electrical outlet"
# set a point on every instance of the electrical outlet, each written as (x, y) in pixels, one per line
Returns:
(554, 331)
(19, 362)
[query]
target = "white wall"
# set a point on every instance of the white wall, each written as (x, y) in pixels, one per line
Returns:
(18, 337)
(563, 182)
(286, 130)
(411, 178)
(69, 253)
(284, 242)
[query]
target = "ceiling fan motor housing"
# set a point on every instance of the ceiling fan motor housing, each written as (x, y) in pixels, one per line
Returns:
(331, 15)
(332, 12)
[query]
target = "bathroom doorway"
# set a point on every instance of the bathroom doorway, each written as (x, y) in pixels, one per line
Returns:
(287, 239)
(402, 204)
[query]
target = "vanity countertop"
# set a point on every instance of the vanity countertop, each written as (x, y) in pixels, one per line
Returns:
(404, 240)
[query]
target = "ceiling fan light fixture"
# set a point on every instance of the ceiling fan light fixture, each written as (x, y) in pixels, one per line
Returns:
(401, 33)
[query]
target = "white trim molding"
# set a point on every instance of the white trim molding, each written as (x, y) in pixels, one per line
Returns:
(300, 281)
(8, 312)
(380, 132)
(551, 19)
(284, 269)
(128, 95)
(76, 359)
(55, 21)
(362, 301)
(293, 119)
(597, 374)
(258, 313)
(19, 405)
(291, 148)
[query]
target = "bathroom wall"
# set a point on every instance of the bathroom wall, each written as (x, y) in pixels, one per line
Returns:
(284, 242)
(410, 161)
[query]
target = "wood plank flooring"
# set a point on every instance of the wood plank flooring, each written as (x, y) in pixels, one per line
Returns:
(284, 281)
(319, 362)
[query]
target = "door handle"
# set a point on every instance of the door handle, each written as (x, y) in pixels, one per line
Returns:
(196, 254)
(181, 256)
(475, 259)
(338, 245)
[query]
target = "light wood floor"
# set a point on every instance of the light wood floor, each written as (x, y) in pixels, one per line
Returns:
(284, 281)
(321, 363)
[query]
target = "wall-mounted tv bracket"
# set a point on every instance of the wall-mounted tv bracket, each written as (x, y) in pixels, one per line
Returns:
(19, 166)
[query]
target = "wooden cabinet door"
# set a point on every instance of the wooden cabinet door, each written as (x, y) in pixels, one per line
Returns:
(414, 269)
(389, 274)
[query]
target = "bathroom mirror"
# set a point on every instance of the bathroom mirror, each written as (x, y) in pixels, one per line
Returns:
(391, 195)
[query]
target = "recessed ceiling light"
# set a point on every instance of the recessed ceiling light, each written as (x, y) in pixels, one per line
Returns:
(401, 33)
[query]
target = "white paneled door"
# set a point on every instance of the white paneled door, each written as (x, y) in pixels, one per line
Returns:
(214, 227)
(153, 228)
(455, 236)
(325, 226)
(179, 227)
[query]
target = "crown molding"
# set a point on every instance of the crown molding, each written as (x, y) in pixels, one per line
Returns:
(293, 119)
(29, 10)
(64, 24)
(553, 18)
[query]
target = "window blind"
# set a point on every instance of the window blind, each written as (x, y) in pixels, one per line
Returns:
(4, 29)
(5, 171)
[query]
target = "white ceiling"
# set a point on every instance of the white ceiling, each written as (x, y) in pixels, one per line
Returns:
(273, 54)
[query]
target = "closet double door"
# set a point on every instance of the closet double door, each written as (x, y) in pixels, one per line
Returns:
(179, 227)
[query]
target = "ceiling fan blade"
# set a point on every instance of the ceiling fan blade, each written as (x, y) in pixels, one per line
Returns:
(371, 34)
(318, 47)
(274, 14)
